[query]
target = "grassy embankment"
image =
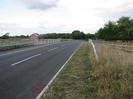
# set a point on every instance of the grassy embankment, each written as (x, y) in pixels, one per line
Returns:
(14, 47)
(84, 78)
(11, 43)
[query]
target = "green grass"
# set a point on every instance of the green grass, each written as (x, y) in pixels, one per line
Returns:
(72, 82)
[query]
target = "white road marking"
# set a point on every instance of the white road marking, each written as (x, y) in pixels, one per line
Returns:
(52, 49)
(25, 60)
(50, 82)
(9, 53)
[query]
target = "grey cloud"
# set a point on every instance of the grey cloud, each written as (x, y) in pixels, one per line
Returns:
(40, 4)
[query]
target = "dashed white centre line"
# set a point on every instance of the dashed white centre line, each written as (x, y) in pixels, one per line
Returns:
(9, 53)
(25, 59)
(52, 49)
(14, 64)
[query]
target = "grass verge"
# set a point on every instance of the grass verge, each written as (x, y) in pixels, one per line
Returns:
(14, 47)
(72, 82)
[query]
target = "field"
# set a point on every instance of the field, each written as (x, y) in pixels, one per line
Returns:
(114, 70)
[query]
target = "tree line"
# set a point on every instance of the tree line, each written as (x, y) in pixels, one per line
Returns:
(76, 34)
(7, 36)
(119, 30)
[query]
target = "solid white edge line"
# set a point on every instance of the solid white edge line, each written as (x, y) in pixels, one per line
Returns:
(26, 49)
(50, 82)
(25, 59)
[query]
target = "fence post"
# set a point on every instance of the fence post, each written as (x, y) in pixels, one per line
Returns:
(94, 49)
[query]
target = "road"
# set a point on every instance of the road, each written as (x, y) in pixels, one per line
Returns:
(25, 72)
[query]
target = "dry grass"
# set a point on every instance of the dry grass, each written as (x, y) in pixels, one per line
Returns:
(113, 73)
(124, 46)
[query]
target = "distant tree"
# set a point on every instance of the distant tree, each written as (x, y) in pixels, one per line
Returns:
(24, 36)
(74, 35)
(49, 36)
(56, 36)
(21, 37)
(78, 35)
(5, 36)
(90, 36)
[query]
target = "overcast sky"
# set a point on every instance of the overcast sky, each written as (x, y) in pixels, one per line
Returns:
(45, 16)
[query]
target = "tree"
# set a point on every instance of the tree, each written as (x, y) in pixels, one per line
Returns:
(56, 35)
(125, 25)
(78, 35)
(5, 36)
(90, 36)
(109, 32)
(120, 30)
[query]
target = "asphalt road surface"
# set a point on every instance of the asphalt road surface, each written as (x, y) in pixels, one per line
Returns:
(25, 72)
